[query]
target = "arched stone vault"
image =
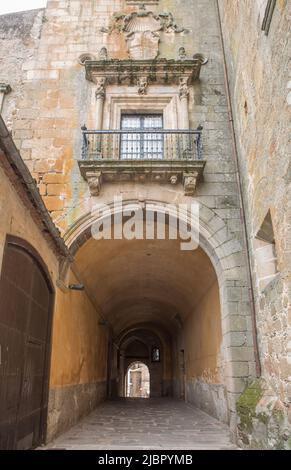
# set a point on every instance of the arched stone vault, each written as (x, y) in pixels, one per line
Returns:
(162, 340)
(219, 258)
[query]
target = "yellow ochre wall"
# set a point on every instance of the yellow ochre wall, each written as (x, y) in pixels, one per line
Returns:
(79, 348)
(79, 360)
(203, 338)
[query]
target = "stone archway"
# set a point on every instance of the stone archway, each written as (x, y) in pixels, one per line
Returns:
(221, 265)
(138, 346)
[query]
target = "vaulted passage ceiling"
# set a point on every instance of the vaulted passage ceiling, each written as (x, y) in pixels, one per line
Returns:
(144, 280)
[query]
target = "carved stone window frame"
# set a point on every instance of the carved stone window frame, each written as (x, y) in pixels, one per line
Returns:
(157, 102)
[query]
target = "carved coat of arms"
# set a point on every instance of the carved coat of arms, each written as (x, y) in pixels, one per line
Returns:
(142, 36)
(142, 31)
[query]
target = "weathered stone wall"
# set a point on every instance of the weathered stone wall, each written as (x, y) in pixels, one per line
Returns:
(19, 38)
(258, 73)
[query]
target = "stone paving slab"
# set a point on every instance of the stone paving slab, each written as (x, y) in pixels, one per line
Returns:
(146, 424)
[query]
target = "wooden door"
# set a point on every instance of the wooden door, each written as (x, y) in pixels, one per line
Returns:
(25, 326)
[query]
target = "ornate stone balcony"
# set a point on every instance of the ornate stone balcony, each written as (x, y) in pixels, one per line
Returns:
(161, 156)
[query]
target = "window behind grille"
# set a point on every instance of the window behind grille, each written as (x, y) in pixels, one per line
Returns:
(141, 145)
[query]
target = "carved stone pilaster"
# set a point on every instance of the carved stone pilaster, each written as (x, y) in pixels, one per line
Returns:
(94, 180)
(142, 84)
(158, 72)
(190, 183)
(101, 88)
(100, 94)
(184, 98)
(183, 88)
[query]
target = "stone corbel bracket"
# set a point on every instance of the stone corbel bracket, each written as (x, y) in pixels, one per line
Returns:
(94, 180)
(187, 173)
(190, 181)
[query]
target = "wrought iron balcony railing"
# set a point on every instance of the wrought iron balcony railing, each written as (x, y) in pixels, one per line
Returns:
(153, 144)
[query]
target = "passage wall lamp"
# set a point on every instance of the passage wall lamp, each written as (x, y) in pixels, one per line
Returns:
(78, 287)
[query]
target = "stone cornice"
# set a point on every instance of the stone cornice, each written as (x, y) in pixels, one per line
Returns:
(160, 71)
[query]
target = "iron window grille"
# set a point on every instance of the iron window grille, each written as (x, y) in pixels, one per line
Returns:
(143, 145)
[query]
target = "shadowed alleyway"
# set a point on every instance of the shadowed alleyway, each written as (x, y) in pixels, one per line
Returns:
(146, 424)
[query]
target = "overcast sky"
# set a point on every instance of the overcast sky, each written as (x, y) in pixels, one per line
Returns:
(8, 6)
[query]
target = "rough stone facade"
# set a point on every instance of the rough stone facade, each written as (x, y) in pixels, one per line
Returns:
(51, 99)
(19, 38)
(259, 74)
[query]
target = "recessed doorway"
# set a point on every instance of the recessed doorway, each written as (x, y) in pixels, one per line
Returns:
(137, 381)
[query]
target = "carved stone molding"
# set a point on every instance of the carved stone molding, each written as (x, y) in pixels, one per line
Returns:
(190, 182)
(99, 172)
(84, 57)
(174, 179)
(201, 58)
(142, 84)
(159, 72)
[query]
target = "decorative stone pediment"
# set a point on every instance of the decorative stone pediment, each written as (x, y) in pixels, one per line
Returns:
(142, 31)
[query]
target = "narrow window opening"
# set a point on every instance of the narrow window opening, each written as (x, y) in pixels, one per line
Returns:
(265, 253)
(156, 356)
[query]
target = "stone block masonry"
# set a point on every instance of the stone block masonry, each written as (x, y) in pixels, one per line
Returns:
(257, 67)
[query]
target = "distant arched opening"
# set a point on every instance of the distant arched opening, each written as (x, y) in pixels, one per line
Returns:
(137, 381)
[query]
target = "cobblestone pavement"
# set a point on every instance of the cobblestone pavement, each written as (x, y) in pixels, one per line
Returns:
(146, 424)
